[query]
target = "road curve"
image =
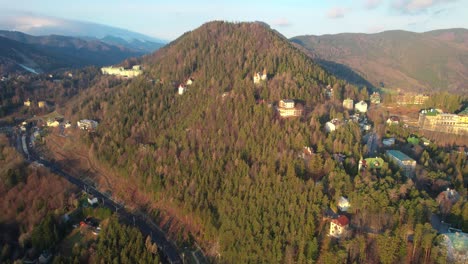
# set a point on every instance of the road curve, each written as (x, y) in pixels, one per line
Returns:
(168, 249)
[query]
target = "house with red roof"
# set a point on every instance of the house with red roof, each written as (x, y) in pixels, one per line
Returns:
(339, 226)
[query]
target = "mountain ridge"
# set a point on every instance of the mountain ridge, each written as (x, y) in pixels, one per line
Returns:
(430, 61)
(54, 52)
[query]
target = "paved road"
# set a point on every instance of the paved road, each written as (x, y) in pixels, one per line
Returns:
(147, 228)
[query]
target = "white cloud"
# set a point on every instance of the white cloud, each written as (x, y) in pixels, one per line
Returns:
(337, 12)
(282, 22)
(417, 6)
(372, 4)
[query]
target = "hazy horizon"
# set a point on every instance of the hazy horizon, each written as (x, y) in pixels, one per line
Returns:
(168, 21)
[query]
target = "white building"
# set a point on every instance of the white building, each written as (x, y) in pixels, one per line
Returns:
(330, 127)
(348, 104)
(257, 77)
(343, 204)
(182, 89)
(87, 124)
(388, 142)
(361, 107)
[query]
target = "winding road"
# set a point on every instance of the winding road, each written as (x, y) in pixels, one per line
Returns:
(146, 226)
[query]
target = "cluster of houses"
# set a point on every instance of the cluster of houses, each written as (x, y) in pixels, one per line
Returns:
(183, 87)
(339, 223)
(40, 104)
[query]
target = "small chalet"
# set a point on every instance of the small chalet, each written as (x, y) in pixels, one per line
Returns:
(361, 107)
(189, 81)
(393, 120)
(258, 78)
(388, 142)
(343, 204)
(92, 201)
(339, 226)
(182, 88)
(375, 98)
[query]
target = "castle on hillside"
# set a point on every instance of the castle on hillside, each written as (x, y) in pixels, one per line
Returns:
(122, 72)
(258, 78)
(435, 120)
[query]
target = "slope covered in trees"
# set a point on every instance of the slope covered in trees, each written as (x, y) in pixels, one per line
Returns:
(419, 62)
(221, 154)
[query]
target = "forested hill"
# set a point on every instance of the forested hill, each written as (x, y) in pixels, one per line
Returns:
(224, 56)
(420, 62)
(227, 160)
(234, 171)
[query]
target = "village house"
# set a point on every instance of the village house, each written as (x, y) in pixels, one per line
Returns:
(288, 108)
(92, 201)
(407, 164)
(393, 120)
(361, 107)
(329, 92)
(27, 103)
(375, 98)
(332, 125)
(388, 142)
(258, 78)
(343, 204)
(370, 163)
(181, 90)
(339, 226)
(189, 81)
(87, 124)
(53, 123)
(41, 104)
(348, 104)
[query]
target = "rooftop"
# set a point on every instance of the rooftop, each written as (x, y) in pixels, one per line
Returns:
(399, 155)
(342, 220)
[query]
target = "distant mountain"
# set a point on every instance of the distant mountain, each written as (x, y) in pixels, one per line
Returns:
(144, 46)
(23, 52)
(431, 61)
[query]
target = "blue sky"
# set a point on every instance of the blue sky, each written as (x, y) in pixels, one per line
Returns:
(170, 19)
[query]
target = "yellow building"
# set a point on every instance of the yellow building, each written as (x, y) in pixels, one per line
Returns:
(348, 104)
(27, 103)
(287, 108)
(121, 71)
(434, 120)
(41, 104)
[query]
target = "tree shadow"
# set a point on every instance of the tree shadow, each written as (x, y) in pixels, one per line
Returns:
(344, 72)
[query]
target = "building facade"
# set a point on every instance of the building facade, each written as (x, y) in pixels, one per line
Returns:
(339, 226)
(348, 104)
(122, 72)
(361, 107)
(288, 108)
(407, 164)
(434, 120)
